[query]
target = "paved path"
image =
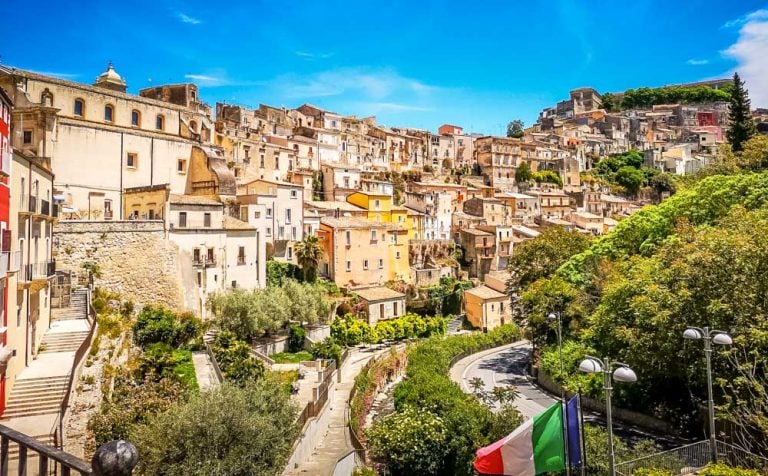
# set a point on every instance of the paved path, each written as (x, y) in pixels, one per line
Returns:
(204, 372)
(501, 366)
(333, 440)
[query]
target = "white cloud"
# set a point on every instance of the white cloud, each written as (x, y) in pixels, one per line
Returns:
(697, 62)
(761, 14)
(373, 84)
(312, 56)
(188, 19)
(751, 53)
(205, 79)
(217, 78)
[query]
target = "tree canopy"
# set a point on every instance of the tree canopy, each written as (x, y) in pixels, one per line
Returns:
(741, 125)
(515, 128)
(647, 97)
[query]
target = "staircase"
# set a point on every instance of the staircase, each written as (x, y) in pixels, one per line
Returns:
(454, 325)
(36, 396)
(63, 341)
(77, 307)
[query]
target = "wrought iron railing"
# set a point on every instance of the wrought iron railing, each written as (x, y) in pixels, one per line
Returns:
(50, 460)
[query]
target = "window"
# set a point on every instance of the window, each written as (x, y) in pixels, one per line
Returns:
(287, 216)
(181, 166)
(269, 231)
(492, 307)
(131, 160)
(109, 113)
(365, 264)
(293, 233)
(207, 220)
(135, 118)
(381, 263)
(376, 204)
(373, 235)
(349, 265)
(290, 253)
(269, 212)
(27, 136)
(397, 255)
(277, 162)
(261, 161)
(79, 108)
(281, 232)
(160, 122)
(241, 255)
(349, 238)
(183, 221)
(210, 257)
(395, 309)
(294, 194)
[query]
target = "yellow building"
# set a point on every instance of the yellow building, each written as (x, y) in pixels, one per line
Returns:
(380, 209)
(488, 306)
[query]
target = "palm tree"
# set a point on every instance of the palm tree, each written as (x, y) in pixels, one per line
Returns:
(308, 254)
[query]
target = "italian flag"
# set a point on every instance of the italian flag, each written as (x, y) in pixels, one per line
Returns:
(537, 446)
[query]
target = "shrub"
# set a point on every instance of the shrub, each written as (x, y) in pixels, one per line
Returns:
(159, 324)
(327, 349)
(350, 331)
(132, 403)
(411, 442)
(236, 360)
(161, 361)
(227, 431)
(724, 470)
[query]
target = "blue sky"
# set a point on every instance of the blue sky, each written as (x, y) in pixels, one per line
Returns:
(418, 64)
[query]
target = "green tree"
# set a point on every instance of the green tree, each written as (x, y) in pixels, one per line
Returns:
(543, 255)
(609, 102)
(741, 125)
(411, 442)
(515, 128)
(523, 173)
(548, 176)
(631, 179)
(229, 431)
(308, 254)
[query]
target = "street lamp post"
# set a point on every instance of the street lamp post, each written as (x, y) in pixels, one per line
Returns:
(622, 373)
(709, 336)
(556, 316)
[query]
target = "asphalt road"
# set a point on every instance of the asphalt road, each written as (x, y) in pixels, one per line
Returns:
(509, 367)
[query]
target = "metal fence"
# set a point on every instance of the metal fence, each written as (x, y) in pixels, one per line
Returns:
(689, 458)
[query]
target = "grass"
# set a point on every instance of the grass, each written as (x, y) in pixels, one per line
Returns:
(285, 379)
(291, 357)
(184, 370)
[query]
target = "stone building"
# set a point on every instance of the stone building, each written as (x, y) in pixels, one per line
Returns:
(356, 252)
(133, 140)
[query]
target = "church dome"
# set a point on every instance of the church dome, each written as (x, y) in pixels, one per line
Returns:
(111, 80)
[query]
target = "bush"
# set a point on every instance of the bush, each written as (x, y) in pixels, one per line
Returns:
(296, 335)
(724, 470)
(132, 403)
(158, 324)
(428, 387)
(161, 361)
(327, 349)
(350, 331)
(227, 431)
(411, 442)
(236, 360)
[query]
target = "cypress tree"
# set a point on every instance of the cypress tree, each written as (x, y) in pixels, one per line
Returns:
(742, 127)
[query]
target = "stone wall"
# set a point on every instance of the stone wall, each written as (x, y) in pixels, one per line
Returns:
(134, 257)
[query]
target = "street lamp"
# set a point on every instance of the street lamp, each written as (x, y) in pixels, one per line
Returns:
(720, 338)
(552, 317)
(624, 374)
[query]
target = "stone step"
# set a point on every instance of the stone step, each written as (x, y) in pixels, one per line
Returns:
(19, 400)
(26, 409)
(22, 382)
(27, 388)
(7, 415)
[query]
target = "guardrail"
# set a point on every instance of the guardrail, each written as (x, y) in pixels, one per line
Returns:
(46, 455)
(214, 363)
(74, 373)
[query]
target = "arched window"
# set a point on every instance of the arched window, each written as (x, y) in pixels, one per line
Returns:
(79, 108)
(109, 113)
(135, 118)
(160, 122)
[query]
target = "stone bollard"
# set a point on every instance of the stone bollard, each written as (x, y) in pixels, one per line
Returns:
(116, 458)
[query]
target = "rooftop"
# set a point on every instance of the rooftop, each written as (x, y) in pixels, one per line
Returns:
(232, 223)
(333, 205)
(484, 292)
(210, 200)
(379, 293)
(350, 222)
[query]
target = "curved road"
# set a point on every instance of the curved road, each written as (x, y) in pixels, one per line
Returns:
(507, 365)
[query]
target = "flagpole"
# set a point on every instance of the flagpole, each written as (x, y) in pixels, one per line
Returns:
(583, 440)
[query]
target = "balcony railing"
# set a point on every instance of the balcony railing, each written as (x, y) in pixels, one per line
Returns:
(204, 261)
(32, 204)
(43, 270)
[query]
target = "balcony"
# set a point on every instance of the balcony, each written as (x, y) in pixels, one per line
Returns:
(108, 214)
(39, 271)
(241, 260)
(204, 261)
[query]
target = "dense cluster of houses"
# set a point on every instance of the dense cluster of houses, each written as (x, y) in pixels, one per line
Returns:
(235, 186)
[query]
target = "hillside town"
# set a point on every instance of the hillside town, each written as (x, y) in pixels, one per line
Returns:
(163, 199)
